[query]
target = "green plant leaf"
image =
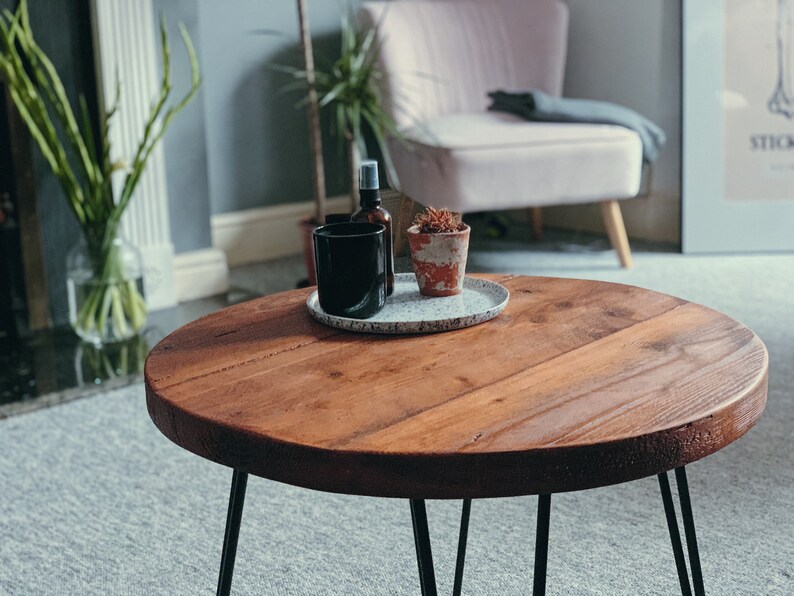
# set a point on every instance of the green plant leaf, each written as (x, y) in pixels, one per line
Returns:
(331, 95)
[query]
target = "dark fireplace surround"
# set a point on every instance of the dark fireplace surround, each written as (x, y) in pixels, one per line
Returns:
(38, 228)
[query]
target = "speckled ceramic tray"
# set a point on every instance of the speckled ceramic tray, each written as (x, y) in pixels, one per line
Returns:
(407, 311)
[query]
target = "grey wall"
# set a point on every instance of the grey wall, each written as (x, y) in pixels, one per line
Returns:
(629, 52)
(257, 141)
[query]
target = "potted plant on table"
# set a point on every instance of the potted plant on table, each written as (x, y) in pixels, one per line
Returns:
(348, 89)
(106, 301)
(439, 244)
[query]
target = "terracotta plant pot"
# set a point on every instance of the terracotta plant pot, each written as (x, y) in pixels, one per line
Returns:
(439, 261)
(307, 226)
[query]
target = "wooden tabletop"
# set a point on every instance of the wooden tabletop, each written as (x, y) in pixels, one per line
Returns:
(577, 384)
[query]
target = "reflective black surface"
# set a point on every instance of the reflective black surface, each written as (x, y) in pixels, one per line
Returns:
(47, 367)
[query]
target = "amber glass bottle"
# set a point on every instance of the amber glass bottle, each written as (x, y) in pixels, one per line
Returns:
(372, 212)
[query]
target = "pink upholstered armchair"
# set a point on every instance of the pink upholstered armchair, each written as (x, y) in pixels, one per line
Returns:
(441, 58)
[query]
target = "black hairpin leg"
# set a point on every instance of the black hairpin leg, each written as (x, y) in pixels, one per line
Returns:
(541, 545)
(424, 556)
(462, 538)
(689, 531)
(675, 535)
(233, 518)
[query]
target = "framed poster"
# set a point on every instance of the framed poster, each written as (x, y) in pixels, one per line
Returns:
(737, 169)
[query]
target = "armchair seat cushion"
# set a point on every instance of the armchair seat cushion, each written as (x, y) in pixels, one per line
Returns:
(483, 161)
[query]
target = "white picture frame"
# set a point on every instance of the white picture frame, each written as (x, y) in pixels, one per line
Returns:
(737, 194)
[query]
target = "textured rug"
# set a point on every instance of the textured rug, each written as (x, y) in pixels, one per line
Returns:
(93, 500)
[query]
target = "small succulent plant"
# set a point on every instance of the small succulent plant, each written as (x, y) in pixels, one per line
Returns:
(438, 221)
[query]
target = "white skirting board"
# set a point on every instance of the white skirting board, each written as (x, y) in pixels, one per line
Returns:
(158, 274)
(265, 233)
(200, 273)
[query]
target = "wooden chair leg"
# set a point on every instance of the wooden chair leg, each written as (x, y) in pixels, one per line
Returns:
(613, 222)
(537, 223)
(402, 224)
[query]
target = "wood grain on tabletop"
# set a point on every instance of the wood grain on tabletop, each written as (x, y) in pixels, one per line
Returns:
(576, 384)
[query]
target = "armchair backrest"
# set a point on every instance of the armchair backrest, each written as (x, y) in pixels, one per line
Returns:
(443, 56)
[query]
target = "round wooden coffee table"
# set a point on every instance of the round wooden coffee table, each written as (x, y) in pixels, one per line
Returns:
(577, 384)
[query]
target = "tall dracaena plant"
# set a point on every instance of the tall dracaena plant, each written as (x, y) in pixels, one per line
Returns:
(81, 160)
(348, 88)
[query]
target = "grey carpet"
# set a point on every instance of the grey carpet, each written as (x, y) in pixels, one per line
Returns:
(93, 500)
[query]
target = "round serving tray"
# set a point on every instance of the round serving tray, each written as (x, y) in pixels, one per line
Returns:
(407, 311)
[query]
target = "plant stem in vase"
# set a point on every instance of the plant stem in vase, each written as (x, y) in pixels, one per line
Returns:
(105, 286)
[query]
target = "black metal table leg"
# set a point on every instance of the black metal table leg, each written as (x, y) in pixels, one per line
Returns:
(233, 518)
(689, 531)
(675, 535)
(462, 538)
(424, 555)
(541, 545)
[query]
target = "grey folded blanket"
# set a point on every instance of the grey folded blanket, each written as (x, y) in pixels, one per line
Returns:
(542, 107)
